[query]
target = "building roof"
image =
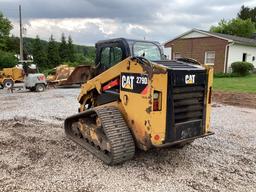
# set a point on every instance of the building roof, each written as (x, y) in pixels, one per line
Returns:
(230, 38)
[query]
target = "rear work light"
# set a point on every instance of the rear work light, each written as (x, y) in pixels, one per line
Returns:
(157, 101)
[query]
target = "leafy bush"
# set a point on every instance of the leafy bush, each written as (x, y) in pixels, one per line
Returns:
(7, 59)
(242, 68)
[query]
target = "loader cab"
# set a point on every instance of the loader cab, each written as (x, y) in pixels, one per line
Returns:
(111, 52)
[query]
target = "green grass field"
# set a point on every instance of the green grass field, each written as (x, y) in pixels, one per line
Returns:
(236, 84)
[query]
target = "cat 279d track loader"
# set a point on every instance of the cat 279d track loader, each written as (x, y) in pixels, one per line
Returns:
(136, 98)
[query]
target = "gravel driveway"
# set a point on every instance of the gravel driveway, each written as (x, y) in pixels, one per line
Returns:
(35, 155)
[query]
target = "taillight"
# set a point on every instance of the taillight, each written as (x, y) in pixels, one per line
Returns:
(156, 137)
(41, 78)
(157, 97)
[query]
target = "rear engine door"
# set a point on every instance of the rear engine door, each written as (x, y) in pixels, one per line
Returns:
(186, 104)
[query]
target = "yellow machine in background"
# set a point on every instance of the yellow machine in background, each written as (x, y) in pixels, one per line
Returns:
(137, 98)
(60, 73)
(8, 76)
(64, 75)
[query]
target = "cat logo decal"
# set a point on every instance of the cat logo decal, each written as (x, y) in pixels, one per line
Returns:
(190, 79)
(127, 82)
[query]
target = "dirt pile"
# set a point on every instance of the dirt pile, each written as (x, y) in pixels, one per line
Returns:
(237, 99)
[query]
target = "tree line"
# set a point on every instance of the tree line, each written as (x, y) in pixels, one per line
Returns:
(244, 25)
(45, 54)
(55, 53)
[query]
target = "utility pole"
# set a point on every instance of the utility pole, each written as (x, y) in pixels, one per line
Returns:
(21, 39)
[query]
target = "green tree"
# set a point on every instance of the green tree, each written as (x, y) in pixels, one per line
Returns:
(238, 27)
(7, 59)
(63, 49)
(247, 13)
(79, 58)
(39, 53)
(5, 28)
(13, 44)
(90, 55)
(71, 51)
(53, 53)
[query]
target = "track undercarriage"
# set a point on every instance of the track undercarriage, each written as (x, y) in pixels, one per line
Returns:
(103, 132)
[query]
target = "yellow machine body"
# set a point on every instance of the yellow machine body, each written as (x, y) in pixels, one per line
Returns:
(135, 97)
(148, 126)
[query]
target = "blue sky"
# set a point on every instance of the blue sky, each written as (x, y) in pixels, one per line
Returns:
(88, 21)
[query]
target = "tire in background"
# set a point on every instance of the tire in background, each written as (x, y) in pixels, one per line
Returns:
(40, 87)
(8, 83)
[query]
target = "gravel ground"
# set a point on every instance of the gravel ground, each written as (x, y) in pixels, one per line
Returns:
(35, 155)
(52, 106)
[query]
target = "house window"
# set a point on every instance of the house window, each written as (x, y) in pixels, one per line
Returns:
(244, 57)
(209, 57)
(177, 56)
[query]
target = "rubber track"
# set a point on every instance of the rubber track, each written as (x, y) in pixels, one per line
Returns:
(116, 130)
(118, 134)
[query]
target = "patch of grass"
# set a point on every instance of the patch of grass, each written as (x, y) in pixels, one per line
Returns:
(224, 75)
(245, 84)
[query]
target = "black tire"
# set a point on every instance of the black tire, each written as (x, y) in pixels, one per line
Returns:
(1, 86)
(40, 88)
(8, 83)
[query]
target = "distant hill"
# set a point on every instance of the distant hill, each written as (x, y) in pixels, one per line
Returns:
(82, 54)
(87, 51)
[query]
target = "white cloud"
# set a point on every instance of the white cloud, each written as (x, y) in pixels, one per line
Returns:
(133, 27)
(88, 21)
(45, 27)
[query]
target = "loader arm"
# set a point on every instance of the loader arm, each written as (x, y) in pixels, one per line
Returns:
(115, 72)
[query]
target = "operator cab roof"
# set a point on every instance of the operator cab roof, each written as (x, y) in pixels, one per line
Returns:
(128, 46)
(125, 40)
